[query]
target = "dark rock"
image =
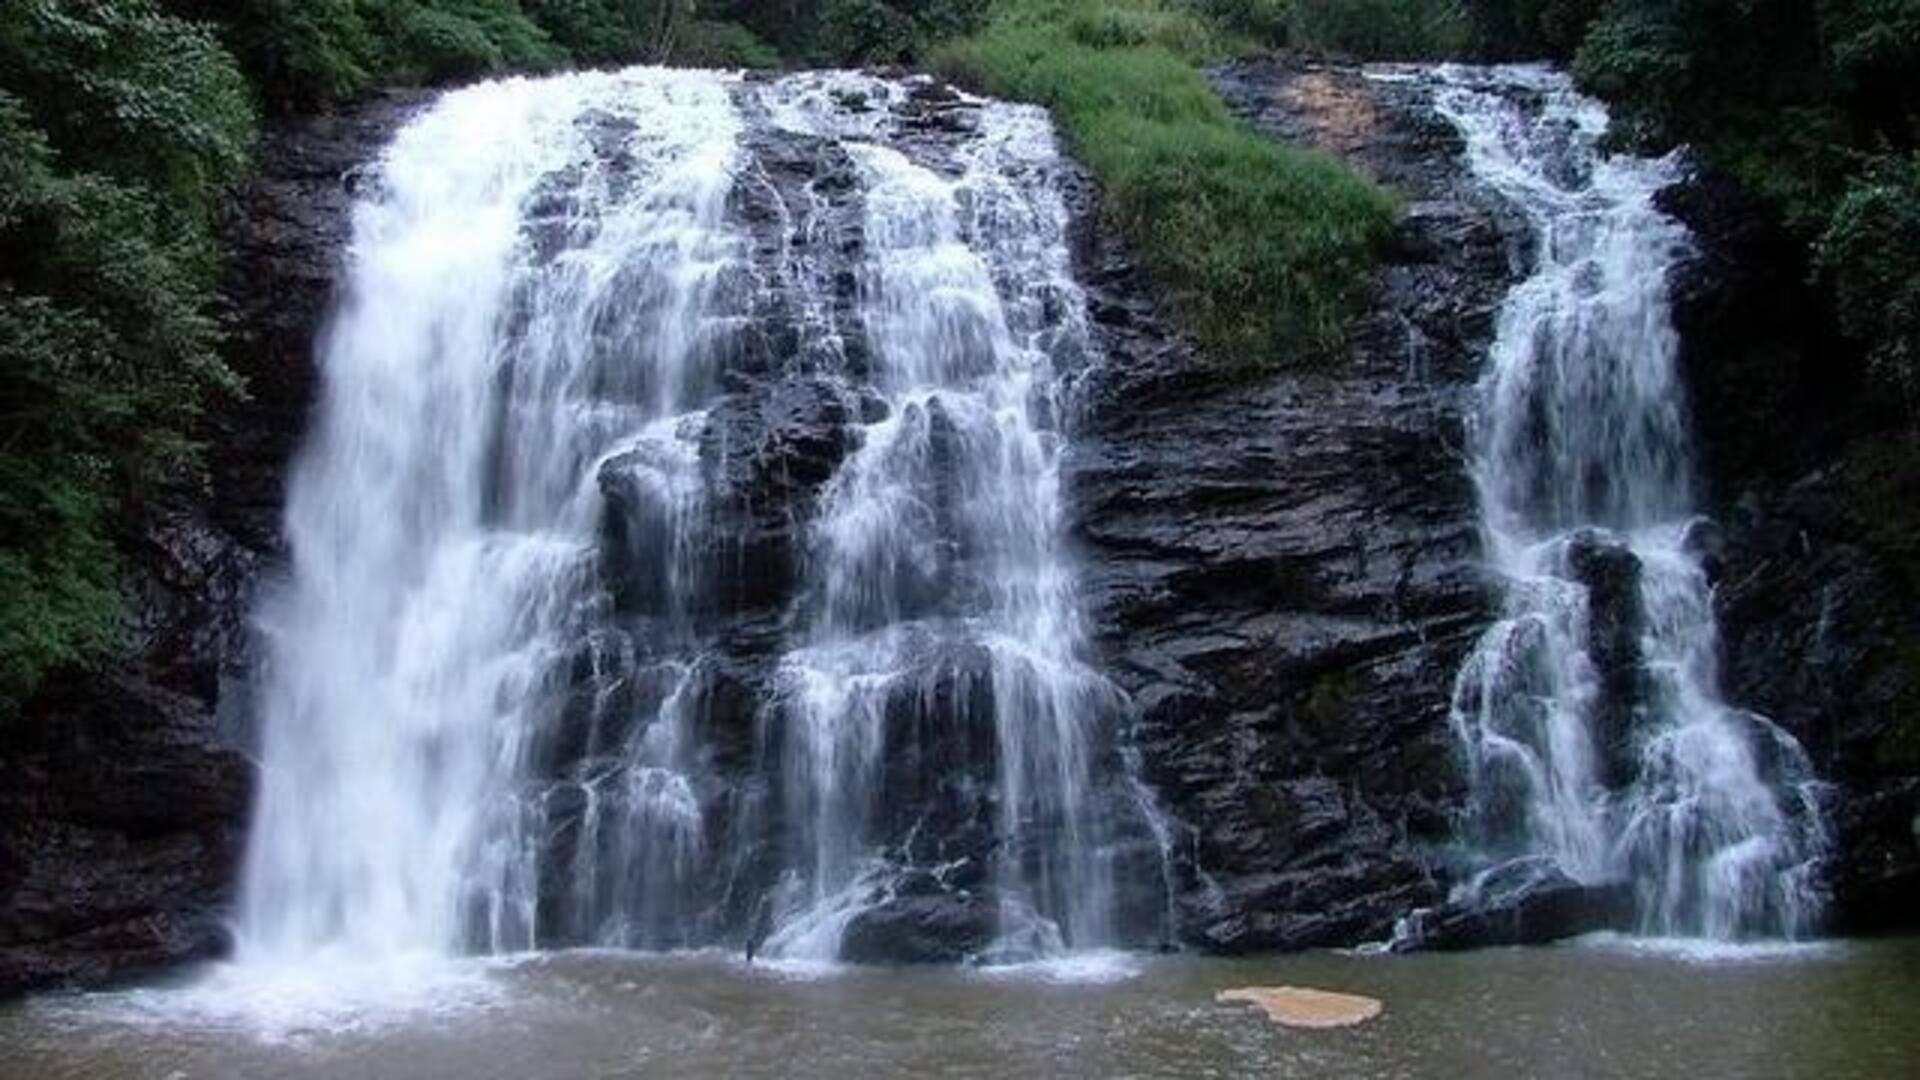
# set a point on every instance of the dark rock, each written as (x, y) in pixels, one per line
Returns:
(1615, 623)
(937, 926)
(121, 809)
(1527, 901)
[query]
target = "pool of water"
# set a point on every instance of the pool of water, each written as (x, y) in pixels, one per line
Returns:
(1596, 1008)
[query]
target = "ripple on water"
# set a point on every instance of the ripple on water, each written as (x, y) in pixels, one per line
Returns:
(290, 1003)
(1707, 950)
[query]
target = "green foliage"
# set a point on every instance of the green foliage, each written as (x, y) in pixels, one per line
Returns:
(839, 32)
(1264, 249)
(1369, 29)
(615, 31)
(300, 54)
(713, 43)
(1269, 22)
(120, 128)
(306, 54)
(1526, 29)
(863, 32)
(125, 89)
(1870, 254)
(1380, 29)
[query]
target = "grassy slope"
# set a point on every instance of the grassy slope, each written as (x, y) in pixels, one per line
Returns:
(1264, 249)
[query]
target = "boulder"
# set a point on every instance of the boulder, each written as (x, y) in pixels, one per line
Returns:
(1528, 901)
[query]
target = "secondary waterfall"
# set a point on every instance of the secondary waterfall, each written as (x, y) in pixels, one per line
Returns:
(1591, 713)
(677, 556)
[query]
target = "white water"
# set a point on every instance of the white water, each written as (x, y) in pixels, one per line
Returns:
(938, 556)
(1581, 456)
(542, 292)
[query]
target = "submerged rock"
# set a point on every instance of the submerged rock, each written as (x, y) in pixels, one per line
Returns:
(1301, 1007)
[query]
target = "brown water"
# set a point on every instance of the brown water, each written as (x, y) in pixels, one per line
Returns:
(1830, 1011)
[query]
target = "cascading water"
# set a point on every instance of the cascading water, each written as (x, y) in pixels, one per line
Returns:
(1591, 714)
(939, 567)
(443, 520)
(652, 394)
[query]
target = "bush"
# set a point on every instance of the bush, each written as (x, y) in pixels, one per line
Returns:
(298, 55)
(450, 39)
(1526, 29)
(1266, 21)
(1868, 255)
(1380, 29)
(863, 32)
(120, 129)
(306, 54)
(707, 43)
(1369, 29)
(1263, 249)
(615, 31)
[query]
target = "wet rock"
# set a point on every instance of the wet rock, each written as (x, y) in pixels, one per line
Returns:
(121, 810)
(934, 927)
(1615, 623)
(1528, 901)
(1282, 560)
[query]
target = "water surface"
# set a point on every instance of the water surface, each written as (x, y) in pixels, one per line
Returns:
(1586, 1010)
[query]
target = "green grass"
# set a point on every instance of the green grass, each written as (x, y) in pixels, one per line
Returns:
(1263, 249)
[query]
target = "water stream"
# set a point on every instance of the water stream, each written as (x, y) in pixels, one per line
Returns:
(1591, 713)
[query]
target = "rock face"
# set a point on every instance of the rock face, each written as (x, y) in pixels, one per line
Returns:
(1284, 565)
(124, 793)
(1815, 480)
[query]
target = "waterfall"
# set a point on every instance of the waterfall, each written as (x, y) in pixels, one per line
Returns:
(1590, 712)
(940, 582)
(678, 547)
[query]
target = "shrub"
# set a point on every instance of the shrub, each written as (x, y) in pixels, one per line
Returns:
(1380, 29)
(1262, 248)
(1265, 21)
(707, 43)
(120, 128)
(863, 32)
(614, 31)
(1370, 29)
(1868, 255)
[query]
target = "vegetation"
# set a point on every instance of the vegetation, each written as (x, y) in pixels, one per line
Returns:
(1369, 29)
(120, 126)
(1262, 247)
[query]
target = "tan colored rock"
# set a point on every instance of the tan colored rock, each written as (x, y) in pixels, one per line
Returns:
(1298, 1006)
